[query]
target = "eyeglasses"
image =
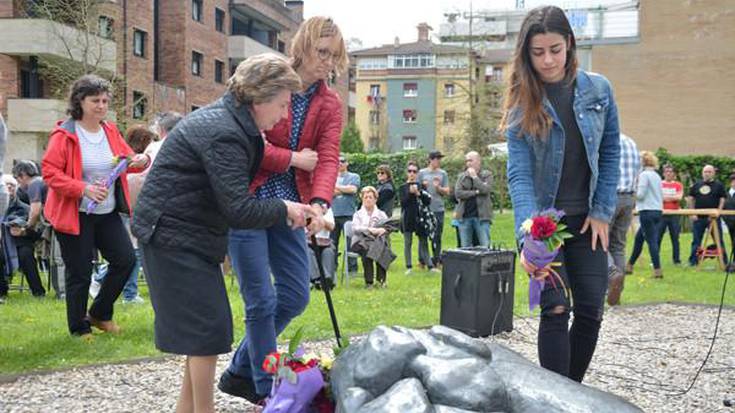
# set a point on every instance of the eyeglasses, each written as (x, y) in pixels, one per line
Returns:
(326, 54)
(412, 171)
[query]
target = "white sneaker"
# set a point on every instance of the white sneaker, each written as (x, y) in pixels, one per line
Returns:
(408, 271)
(435, 270)
(94, 288)
(137, 300)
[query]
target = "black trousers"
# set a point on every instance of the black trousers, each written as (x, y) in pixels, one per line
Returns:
(107, 234)
(436, 243)
(367, 265)
(562, 349)
(29, 267)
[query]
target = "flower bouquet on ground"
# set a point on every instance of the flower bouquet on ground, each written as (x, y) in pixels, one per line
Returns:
(301, 381)
(121, 164)
(544, 234)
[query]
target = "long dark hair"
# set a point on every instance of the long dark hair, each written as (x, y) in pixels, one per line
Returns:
(524, 89)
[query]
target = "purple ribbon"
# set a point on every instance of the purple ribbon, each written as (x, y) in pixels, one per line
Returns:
(538, 254)
(119, 169)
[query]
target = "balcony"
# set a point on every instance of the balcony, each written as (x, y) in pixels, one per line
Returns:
(26, 37)
(242, 47)
(37, 115)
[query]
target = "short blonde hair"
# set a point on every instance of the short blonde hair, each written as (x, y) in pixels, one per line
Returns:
(370, 189)
(309, 33)
(10, 179)
(259, 78)
(648, 158)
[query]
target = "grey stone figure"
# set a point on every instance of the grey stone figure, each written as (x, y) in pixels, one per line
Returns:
(399, 370)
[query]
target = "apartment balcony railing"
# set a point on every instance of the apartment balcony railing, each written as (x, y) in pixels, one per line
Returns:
(242, 47)
(40, 37)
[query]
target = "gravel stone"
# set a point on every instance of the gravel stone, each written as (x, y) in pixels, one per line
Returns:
(647, 354)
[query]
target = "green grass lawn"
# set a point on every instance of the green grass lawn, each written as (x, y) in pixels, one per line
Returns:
(33, 334)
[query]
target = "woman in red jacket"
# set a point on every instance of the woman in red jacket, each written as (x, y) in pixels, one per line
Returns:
(78, 159)
(300, 165)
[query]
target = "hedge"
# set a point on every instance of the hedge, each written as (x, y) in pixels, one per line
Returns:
(688, 167)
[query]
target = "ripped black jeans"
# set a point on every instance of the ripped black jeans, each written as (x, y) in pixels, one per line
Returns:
(562, 349)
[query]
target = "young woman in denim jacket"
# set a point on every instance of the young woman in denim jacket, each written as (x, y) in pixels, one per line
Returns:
(562, 129)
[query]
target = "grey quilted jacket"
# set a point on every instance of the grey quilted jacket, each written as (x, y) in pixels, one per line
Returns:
(198, 185)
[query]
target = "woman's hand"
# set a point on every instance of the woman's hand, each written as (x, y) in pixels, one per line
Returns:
(533, 271)
(377, 231)
(139, 161)
(97, 193)
(304, 159)
(316, 220)
(599, 231)
(297, 213)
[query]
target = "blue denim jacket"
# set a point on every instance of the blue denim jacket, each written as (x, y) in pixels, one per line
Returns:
(534, 164)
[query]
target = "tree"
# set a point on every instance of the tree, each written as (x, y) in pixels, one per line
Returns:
(351, 141)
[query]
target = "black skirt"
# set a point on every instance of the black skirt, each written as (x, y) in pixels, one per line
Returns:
(187, 291)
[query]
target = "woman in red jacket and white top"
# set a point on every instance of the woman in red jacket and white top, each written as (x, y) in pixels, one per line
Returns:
(300, 165)
(78, 159)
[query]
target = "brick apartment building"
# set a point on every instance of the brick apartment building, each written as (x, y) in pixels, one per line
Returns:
(172, 54)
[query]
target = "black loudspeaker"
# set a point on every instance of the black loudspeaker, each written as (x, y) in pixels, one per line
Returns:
(477, 290)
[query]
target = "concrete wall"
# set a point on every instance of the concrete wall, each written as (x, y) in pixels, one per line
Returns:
(676, 87)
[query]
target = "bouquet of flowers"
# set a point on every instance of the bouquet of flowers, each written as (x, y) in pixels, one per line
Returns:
(121, 164)
(544, 235)
(301, 381)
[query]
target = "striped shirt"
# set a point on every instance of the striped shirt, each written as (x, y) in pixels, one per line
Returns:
(283, 185)
(96, 165)
(630, 165)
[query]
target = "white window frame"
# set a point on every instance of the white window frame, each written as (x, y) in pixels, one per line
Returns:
(409, 142)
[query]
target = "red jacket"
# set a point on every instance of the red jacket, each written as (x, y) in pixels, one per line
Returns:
(321, 132)
(62, 172)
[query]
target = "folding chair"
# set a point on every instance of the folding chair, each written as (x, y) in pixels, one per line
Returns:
(346, 253)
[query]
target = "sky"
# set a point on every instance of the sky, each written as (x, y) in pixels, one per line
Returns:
(378, 22)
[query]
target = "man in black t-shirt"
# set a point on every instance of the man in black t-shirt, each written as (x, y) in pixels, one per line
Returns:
(707, 193)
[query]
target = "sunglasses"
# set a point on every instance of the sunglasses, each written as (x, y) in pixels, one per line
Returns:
(412, 171)
(343, 161)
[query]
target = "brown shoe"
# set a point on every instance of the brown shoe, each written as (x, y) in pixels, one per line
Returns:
(628, 269)
(657, 273)
(615, 287)
(106, 326)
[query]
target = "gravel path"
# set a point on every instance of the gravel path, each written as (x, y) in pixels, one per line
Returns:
(646, 354)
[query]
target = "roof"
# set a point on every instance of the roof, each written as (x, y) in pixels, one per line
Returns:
(425, 46)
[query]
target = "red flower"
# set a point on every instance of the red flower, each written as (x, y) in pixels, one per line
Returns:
(543, 227)
(270, 363)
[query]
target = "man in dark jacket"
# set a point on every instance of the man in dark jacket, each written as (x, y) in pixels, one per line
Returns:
(475, 209)
(730, 219)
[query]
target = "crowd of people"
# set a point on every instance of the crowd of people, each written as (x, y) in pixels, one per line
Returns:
(257, 176)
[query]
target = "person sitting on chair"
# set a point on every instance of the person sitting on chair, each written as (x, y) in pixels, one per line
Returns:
(365, 221)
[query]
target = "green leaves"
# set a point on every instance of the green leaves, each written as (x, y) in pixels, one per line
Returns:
(293, 345)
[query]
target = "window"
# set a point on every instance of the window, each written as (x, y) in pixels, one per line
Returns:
(139, 105)
(411, 61)
(409, 142)
(410, 90)
(105, 27)
(374, 117)
(374, 143)
(409, 116)
(219, 69)
(448, 143)
(139, 39)
(282, 46)
(196, 63)
(374, 90)
(196, 10)
(219, 20)
(448, 90)
(448, 117)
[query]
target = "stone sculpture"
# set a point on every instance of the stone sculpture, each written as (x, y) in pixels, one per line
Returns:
(395, 369)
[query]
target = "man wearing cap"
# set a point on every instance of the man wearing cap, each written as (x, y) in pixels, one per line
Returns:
(730, 219)
(436, 182)
(343, 202)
